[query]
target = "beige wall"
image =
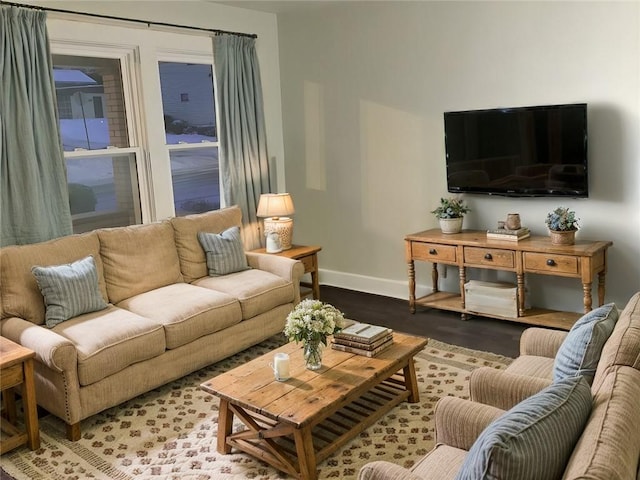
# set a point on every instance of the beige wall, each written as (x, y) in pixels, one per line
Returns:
(364, 86)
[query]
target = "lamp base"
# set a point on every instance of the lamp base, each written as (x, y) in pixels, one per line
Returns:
(283, 226)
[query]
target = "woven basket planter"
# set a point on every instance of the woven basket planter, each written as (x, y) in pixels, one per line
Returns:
(562, 238)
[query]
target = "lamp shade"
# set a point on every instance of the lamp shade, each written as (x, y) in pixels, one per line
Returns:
(275, 205)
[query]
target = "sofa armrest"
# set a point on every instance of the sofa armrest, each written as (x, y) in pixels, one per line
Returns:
(287, 268)
(385, 471)
(502, 389)
(541, 342)
(52, 350)
(284, 267)
(460, 421)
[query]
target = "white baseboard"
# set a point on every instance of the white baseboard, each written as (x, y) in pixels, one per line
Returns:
(374, 285)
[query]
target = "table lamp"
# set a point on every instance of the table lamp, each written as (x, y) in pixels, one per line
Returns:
(274, 208)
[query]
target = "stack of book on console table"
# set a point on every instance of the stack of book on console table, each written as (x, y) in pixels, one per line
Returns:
(363, 339)
(508, 235)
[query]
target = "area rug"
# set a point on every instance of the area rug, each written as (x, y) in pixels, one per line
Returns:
(170, 432)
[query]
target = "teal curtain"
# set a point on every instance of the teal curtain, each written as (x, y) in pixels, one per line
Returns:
(244, 162)
(34, 200)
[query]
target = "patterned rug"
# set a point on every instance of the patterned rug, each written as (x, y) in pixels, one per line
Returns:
(169, 433)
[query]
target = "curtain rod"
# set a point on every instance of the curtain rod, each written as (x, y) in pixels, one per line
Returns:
(135, 20)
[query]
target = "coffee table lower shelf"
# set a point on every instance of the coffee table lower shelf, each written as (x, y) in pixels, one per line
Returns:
(283, 446)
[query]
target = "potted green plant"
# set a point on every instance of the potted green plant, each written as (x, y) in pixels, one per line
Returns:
(563, 225)
(450, 213)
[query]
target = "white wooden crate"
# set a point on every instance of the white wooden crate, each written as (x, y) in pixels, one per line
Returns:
(494, 298)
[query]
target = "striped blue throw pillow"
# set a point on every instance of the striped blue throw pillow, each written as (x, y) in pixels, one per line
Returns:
(533, 440)
(580, 352)
(224, 251)
(69, 290)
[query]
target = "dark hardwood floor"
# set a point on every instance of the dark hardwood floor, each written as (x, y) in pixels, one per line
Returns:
(479, 333)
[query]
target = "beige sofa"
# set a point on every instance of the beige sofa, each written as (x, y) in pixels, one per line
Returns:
(609, 445)
(165, 316)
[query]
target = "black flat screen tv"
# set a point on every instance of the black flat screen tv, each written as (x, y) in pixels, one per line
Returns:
(538, 151)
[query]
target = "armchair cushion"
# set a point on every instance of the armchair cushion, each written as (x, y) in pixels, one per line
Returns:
(534, 439)
(224, 251)
(503, 389)
(580, 352)
(69, 290)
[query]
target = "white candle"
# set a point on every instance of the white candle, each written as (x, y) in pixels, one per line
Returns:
(281, 366)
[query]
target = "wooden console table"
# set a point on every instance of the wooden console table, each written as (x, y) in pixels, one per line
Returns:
(471, 249)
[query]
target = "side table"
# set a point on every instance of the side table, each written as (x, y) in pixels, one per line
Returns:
(308, 255)
(16, 368)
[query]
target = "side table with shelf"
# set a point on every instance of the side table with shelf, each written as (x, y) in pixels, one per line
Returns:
(308, 255)
(586, 260)
(16, 370)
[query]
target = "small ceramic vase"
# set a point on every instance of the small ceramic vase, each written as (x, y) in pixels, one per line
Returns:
(513, 221)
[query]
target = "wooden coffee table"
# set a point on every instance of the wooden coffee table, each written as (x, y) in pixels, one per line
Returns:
(296, 424)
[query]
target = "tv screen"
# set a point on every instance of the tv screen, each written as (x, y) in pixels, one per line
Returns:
(523, 151)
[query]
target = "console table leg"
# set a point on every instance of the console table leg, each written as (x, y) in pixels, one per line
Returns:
(463, 280)
(412, 286)
(521, 294)
(586, 289)
(434, 277)
(601, 277)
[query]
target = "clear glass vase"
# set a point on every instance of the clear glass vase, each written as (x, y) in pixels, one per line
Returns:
(312, 352)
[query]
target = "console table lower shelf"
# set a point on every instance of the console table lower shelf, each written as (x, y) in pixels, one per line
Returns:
(534, 316)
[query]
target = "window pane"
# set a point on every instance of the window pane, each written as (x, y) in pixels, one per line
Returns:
(188, 102)
(103, 192)
(195, 175)
(90, 102)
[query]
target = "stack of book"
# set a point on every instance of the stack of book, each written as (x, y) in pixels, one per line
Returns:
(508, 235)
(363, 339)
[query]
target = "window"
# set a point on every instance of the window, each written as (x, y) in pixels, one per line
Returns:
(191, 136)
(103, 181)
(138, 122)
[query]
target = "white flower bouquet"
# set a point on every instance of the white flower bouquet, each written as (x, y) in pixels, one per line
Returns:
(311, 321)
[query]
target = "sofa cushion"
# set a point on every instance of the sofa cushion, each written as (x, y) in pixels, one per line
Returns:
(186, 312)
(19, 292)
(610, 443)
(258, 291)
(580, 351)
(138, 259)
(110, 340)
(193, 262)
(224, 251)
(534, 439)
(69, 290)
